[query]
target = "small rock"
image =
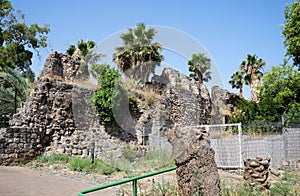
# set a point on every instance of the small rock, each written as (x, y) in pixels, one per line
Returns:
(275, 172)
(254, 164)
(265, 162)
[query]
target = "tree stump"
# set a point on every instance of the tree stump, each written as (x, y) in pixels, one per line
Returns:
(257, 172)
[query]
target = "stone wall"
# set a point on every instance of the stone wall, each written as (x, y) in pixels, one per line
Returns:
(183, 102)
(223, 105)
(60, 65)
(66, 115)
(59, 108)
(19, 145)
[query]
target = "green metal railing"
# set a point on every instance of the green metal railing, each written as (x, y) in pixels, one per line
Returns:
(133, 180)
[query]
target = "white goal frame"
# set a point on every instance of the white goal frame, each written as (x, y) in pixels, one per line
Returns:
(239, 125)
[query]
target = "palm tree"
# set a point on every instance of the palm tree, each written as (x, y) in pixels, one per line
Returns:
(84, 52)
(200, 65)
(138, 56)
(138, 36)
(237, 81)
(12, 90)
(252, 67)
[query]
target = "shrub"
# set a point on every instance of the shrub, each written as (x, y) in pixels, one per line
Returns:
(103, 97)
(80, 165)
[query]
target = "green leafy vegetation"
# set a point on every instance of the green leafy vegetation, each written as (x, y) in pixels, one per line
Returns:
(138, 56)
(17, 40)
(165, 188)
(54, 159)
(250, 72)
(75, 164)
(12, 90)
(134, 163)
(197, 184)
(85, 52)
(85, 165)
(238, 80)
(278, 99)
(199, 66)
(289, 186)
(291, 31)
(242, 189)
(103, 97)
(280, 94)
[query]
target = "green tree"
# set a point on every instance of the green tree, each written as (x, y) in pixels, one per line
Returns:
(17, 40)
(291, 31)
(85, 52)
(12, 90)
(279, 98)
(280, 93)
(238, 80)
(252, 67)
(138, 56)
(103, 97)
(200, 65)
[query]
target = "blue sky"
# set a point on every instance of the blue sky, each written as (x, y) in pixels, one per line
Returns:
(228, 30)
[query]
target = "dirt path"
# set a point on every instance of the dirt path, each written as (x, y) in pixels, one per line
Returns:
(15, 181)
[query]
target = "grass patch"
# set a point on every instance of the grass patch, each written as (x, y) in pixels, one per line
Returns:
(243, 189)
(53, 159)
(288, 186)
(152, 160)
(164, 188)
(75, 164)
(85, 165)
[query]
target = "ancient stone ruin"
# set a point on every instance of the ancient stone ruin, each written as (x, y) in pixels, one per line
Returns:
(197, 172)
(256, 172)
(223, 105)
(58, 117)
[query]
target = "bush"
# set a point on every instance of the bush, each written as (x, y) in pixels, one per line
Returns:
(103, 97)
(80, 165)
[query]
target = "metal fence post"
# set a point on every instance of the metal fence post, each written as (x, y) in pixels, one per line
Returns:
(240, 142)
(134, 188)
(92, 151)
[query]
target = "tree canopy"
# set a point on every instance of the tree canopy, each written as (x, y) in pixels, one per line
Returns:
(200, 65)
(85, 52)
(252, 68)
(280, 93)
(279, 98)
(12, 90)
(238, 80)
(291, 32)
(138, 56)
(103, 98)
(18, 40)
